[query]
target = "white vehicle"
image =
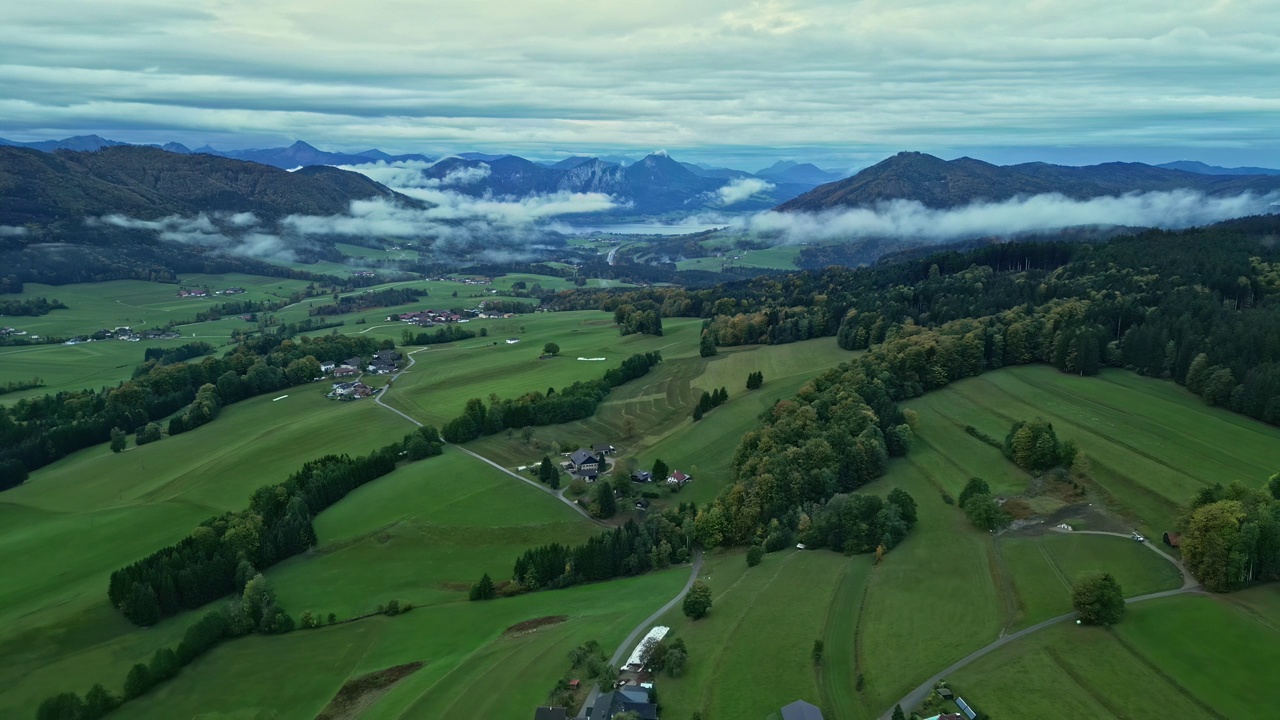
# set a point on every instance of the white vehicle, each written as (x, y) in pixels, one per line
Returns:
(1139, 538)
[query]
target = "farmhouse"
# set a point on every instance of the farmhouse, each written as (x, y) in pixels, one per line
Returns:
(678, 478)
(345, 371)
(801, 710)
(184, 293)
(233, 291)
(386, 356)
(624, 700)
(642, 476)
(350, 390)
(352, 362)
(327, 366)
(584, 461)
(379, 368)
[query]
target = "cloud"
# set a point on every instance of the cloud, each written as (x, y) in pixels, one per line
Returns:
(12, 231)
(1039, 213)
(225, 233)
(740, 189)
(403, 174)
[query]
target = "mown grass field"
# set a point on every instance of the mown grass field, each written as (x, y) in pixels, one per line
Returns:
(1151, 444)
(752, 654)
(781, 257)
(1043, 569)
(1189, 656)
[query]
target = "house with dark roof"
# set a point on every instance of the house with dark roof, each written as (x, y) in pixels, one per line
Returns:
(642, 476)
(352, 362)
(624, 699)
(550, 713)
(584, 461)
(603, 449)
(801, 710)
(386, 356)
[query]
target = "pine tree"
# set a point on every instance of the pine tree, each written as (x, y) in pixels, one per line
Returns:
(483, 590)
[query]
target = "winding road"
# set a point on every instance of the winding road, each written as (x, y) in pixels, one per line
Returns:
(917, 696)
(627, 644)
(556, 494)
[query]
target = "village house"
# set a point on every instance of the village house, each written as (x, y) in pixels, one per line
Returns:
(327, 366)
(678, 478)
(583, 461)
(642, 476)
(625, 699)
(350, 390)
(550, 713)
(380, 368)
(345, 371)
(184, 293)
(603, 449)
(353, 362)
(386, 356)
(233, 291)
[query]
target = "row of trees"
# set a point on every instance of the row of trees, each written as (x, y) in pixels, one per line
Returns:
(709, 401)
(169, 356)
(443, 334)
(224, 553)
(368, 300)
(574, 402)
(30, 307)
(39, 430)
(755, 380)
(661, 540)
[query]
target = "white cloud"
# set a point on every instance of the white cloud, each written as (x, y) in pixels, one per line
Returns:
(12, 231)
(740, 189)
(1038, 213)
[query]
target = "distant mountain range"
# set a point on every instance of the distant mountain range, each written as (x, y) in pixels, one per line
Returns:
(940, 183)
(655, 185)
(147, 183)
(1203, 169)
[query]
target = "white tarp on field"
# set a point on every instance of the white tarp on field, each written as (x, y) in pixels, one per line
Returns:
(657, 633)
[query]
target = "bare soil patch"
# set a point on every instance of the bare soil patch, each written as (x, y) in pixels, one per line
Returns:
(528, 626)
(359, 694)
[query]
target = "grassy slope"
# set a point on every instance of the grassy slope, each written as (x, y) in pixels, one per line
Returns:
(76, 521)
(751, 654)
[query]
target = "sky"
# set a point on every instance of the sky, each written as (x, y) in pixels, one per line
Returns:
(842, 84)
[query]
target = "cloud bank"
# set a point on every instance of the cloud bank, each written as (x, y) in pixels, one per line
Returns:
(905, 219)
(12, 231)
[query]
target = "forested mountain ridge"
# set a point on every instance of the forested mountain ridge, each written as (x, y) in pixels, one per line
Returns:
(148, 183)
(941, 183)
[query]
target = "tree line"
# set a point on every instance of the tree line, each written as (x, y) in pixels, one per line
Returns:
(169, 356)
(30, 307)
(447, 333)
(575, 402)
(39, 430)
(1231, 535)
(368, 301)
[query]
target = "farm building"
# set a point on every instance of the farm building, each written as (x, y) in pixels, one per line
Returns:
(1173, 539)
(624, 699)
(584, 461)
(642, 476)
(801, 710)
(603, 449)
(550, 713)
(678, 478)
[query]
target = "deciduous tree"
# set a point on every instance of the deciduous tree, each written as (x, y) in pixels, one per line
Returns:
(1098, 599)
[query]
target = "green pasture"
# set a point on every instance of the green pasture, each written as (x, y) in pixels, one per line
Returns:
(73, 367)
(472, 670)
(1043, 569)
(74, 522)
(422, 535)
(1151, 444)
(1185, 656)
(752, 653)
(781, 257)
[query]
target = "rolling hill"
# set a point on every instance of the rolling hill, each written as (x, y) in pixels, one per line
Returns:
(941, 183)
(147, 183)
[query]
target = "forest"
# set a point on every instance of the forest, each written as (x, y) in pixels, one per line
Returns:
(30, 307)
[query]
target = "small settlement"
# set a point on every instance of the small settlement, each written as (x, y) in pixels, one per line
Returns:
(347, 373)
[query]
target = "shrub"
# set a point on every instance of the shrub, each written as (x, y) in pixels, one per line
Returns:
(755, 555)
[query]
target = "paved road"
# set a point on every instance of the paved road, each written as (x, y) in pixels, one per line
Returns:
(917, 696)
(556, 494)
(630, 642)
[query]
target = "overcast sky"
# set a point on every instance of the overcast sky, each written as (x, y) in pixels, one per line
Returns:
(840, 83)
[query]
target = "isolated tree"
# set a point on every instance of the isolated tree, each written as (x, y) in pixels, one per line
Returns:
(483, 590)
(551, 349)
(897, 710)
(675, 661)
(755, 555)
(698, 602)
(605, 505)
(985, 513)
(1098, 599)
(818, 647)
(118, 440)
(547, 470)
(975, 486)
(660, 471)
